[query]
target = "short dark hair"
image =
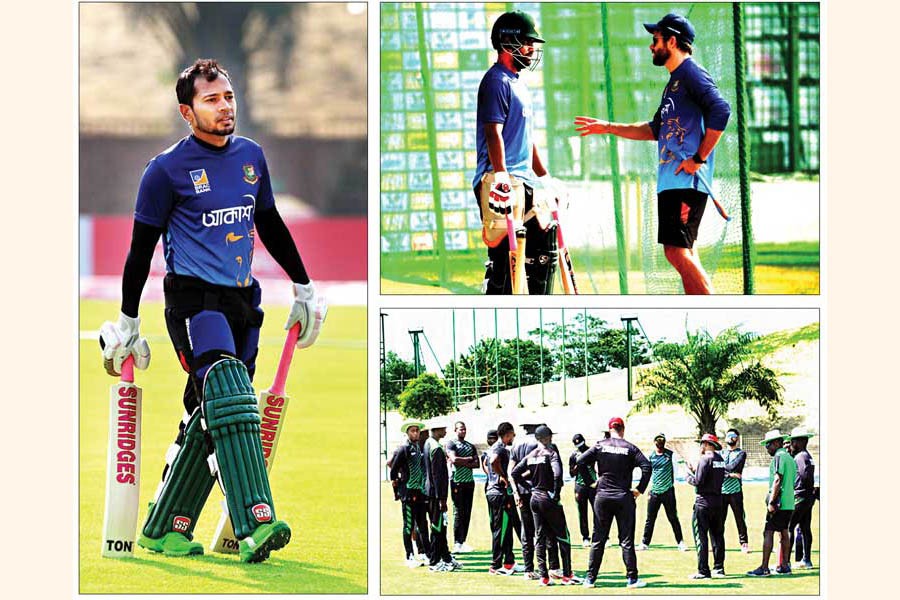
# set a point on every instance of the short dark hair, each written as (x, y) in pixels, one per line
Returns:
(458, 423)
(682, 45)
(208, 68)
(504, 428)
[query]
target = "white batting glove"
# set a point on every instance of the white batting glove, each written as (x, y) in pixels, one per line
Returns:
(121, 339)
(557, 189)
(309, 310)
(499, 200)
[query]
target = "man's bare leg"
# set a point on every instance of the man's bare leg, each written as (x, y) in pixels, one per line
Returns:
(687, 262)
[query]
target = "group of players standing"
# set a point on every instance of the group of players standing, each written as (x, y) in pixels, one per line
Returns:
(523, 492)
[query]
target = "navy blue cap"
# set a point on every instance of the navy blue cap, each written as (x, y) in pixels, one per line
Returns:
(673, 24)
(543, 432)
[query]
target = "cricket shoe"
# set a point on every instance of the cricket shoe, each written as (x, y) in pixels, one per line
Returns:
(745, 548)
(451, 566)
(783, 570)
(806, 564)
(171, 544)
(438, 566)
(412, 562)
(570, 580)
(545, 582)
(457, 547)
(586, 543)
(588, 583)
(759, 572)
(635, 583)
(718, 573)
(699, 576)
(504, 570)
(265, 539)
(517, 568)
(455, 563)
(463, 548)
(682, 546)
(556, 573)
(641, 547)
(531, 575)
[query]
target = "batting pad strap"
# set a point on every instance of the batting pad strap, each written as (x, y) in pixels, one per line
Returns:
(232, 419)
(185, 484)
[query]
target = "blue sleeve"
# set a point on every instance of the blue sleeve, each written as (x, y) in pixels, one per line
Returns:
(266, 199)
(704, 92)
(655, 123)
(493, 101)
(155, 198)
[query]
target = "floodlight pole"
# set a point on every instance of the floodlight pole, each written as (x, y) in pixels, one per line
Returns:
(628, 329)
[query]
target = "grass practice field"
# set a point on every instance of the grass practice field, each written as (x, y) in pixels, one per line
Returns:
(791, 268)
(663, 567)
(318, 480)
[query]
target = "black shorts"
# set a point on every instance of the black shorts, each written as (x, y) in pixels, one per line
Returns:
(680, 212)
(778, 520)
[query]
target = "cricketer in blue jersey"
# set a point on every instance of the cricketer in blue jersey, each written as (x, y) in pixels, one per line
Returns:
(688, 124)
(509, 164)
(207, 197)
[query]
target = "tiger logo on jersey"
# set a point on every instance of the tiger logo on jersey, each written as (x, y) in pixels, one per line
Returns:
(250, 175)
(200, 180)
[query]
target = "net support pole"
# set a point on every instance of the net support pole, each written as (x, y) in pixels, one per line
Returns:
(614, 154)
(747, 249)
(518, 362)
(427, 93)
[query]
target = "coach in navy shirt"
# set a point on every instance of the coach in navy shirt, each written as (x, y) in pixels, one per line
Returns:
(691, 117)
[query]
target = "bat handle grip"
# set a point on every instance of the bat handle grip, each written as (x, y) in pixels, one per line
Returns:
(287, 353)
(128, 369)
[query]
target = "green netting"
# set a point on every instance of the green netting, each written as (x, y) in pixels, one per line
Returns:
(611, 223)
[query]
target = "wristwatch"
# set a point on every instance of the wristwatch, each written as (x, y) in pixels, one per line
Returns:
(696, 158)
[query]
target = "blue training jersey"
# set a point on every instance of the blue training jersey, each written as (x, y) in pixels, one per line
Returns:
(503, 98)
(690, 104)
(204, 200)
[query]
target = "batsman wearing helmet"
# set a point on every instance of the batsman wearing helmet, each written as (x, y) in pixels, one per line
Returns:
(208, 196)
(688, 124)
(510, 168)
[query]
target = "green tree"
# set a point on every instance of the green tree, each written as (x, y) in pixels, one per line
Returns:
(478, 368)
(394, 377)
(425, 397)
(606, 346)
(705, 375)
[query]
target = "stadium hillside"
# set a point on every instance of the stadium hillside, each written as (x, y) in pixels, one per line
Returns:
(793, 354)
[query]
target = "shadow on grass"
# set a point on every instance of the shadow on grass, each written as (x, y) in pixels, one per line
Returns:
(272, 576)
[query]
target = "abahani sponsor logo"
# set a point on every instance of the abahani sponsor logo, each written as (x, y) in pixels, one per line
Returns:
(231, 215)
(181, 524)
(262, 512)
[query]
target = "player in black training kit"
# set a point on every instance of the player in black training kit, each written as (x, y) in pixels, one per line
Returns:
(462, 485)
(585, 487)
(541, 469)
(709, 528)
(732, 487)
(615, 460)
(805, 493)
(501, 503)
(408, 479)
(437, 484)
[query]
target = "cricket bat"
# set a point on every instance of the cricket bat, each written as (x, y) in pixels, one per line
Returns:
(123, 466)
(516, 255)
(566, 273)
(273, 404)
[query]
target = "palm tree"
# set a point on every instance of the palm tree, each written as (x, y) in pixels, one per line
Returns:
(705, 375)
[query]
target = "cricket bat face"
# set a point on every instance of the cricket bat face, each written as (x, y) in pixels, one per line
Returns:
(272, 410)
(123, 471)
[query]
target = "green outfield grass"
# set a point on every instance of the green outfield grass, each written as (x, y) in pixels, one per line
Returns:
(663, 567)
(789, 268)
(318, 481)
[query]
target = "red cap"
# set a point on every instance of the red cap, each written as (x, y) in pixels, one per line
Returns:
(616, 422)
(712, 439)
